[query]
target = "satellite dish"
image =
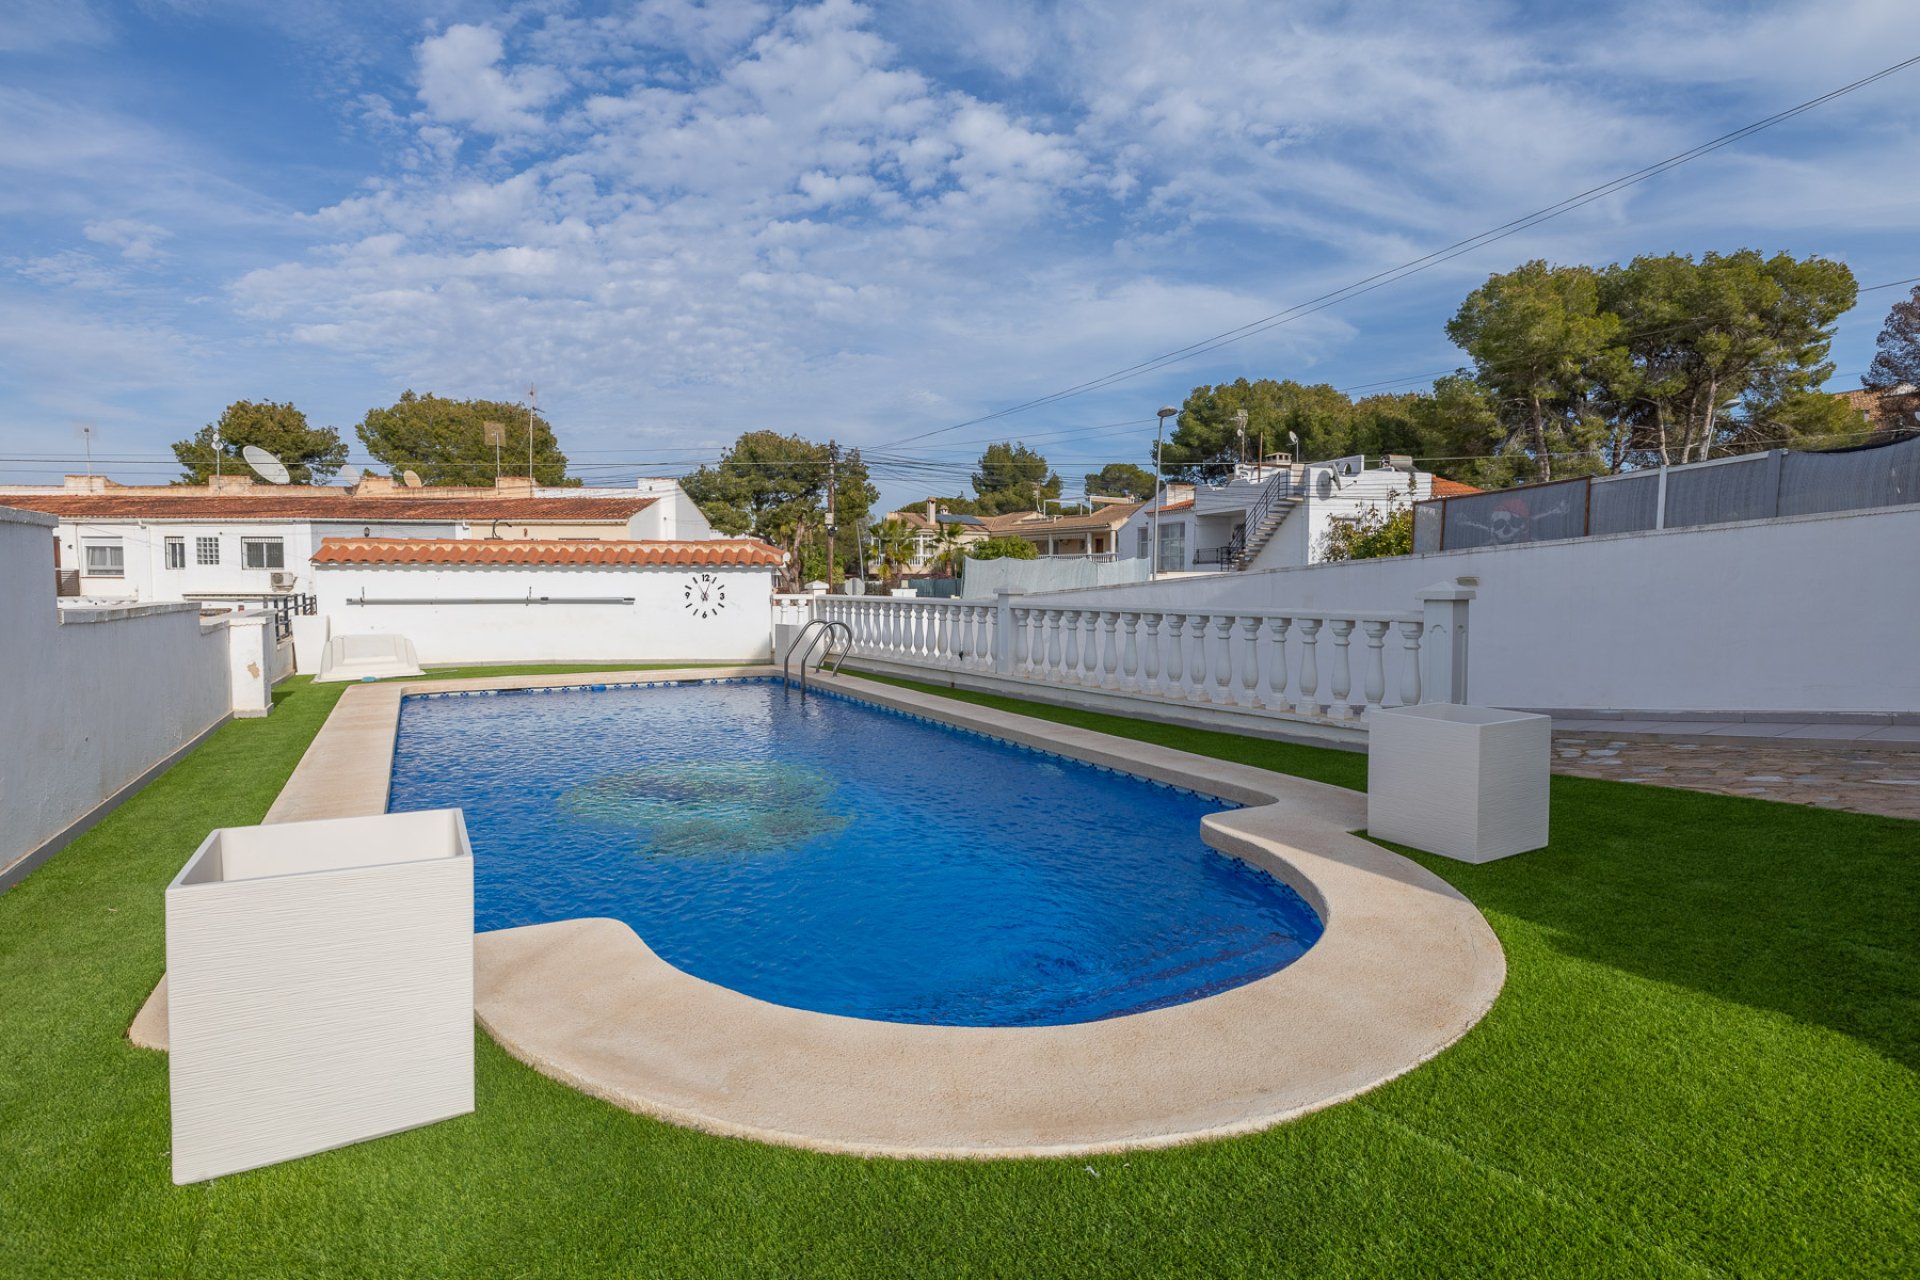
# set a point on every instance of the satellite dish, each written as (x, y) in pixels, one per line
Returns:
(411, 479)
(265, 465)
(350, 475)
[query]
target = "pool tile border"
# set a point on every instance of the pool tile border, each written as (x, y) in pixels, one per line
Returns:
(839, 695)
(1405, 967)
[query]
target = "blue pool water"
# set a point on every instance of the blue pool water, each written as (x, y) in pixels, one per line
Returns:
(828, 855)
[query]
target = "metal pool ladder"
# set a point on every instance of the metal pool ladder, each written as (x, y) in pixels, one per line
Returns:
(804, 644)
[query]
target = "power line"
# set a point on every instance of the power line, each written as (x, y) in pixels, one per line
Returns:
(1416, 265)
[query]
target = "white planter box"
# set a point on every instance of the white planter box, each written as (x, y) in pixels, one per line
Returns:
(320, 987)
(1465, 782)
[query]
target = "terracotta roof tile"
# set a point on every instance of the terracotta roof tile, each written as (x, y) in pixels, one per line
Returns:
(1029, 524)
(524, 552)
(1445, 488)
(203, 507)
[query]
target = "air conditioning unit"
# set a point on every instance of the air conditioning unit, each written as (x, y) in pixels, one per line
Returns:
(283, 582)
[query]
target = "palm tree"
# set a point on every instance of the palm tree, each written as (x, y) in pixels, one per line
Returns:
(893, 544)
(950, 552)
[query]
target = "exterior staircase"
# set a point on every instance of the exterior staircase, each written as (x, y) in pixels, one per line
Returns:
(1276, 502)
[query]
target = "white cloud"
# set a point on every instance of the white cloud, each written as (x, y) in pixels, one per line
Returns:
(31, 26)
(686, 219)
(461, 82)
(137, 241)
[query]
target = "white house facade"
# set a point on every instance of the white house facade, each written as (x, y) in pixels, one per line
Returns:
(478, 600)
(169, 543)
(1269, 516)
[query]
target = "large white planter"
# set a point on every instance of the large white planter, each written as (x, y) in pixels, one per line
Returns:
(1465, 782)
(319, 987)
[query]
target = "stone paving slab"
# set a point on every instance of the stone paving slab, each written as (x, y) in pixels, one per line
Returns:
(1827, 773)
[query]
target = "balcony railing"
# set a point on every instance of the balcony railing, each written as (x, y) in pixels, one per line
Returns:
(1300, 664)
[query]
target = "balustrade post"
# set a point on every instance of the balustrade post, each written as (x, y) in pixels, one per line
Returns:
(1277, 665)
(1015, 643)
(1309, 667)
(1376, 689)
(1444, 644)
(1109, 649)
(1070, 646)
(1223, 665)
(1249, 695)
(1342, 705)
(1130, 654)
(1173, 677)
(1052, 671)
(1410, 663)
(1150, 655)
(1197, 657)
(1101, 655)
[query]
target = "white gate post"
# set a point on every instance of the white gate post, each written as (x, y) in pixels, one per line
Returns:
(1443, 643)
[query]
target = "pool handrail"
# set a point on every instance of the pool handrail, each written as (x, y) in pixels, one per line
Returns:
(804, 647)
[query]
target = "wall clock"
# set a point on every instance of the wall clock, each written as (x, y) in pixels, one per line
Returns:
(705, 595)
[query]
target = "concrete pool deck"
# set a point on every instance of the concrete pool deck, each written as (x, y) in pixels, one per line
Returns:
(1405, 967)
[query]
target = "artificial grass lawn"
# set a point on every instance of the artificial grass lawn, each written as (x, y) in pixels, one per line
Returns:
(1704, 1063)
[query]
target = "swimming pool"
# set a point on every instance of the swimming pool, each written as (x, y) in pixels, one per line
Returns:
(829, 855)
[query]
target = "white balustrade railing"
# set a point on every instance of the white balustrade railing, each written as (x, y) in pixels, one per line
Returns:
(1322, 665)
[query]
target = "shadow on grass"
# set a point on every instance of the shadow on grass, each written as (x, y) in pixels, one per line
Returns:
(1806, 912)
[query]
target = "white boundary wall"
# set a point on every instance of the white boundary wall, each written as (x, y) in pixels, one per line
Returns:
(92, 698)
(656, 626)
(1815, 614)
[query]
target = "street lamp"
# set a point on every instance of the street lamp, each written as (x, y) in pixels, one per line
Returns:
(1160, 491)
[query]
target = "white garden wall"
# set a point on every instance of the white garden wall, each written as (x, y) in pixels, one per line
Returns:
(1811, 614)
(473, 614)
(91, 698)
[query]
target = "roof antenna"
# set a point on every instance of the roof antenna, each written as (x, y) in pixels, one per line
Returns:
(85, 431)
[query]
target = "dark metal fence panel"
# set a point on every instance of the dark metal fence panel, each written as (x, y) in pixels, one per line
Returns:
(1745, 488)
(1886, 476)
(1427, 517)
(1758, 486)
(1625, 504)
(1505, 517)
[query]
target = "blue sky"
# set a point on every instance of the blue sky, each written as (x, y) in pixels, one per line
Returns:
(680, 220)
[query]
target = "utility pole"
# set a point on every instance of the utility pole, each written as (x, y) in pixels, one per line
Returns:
(1159, 491)
(532, 400)
(493, 433)
(833, 459)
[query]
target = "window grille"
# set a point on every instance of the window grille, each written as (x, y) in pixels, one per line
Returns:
(263, 553)
(206, 551)
(176, 553)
